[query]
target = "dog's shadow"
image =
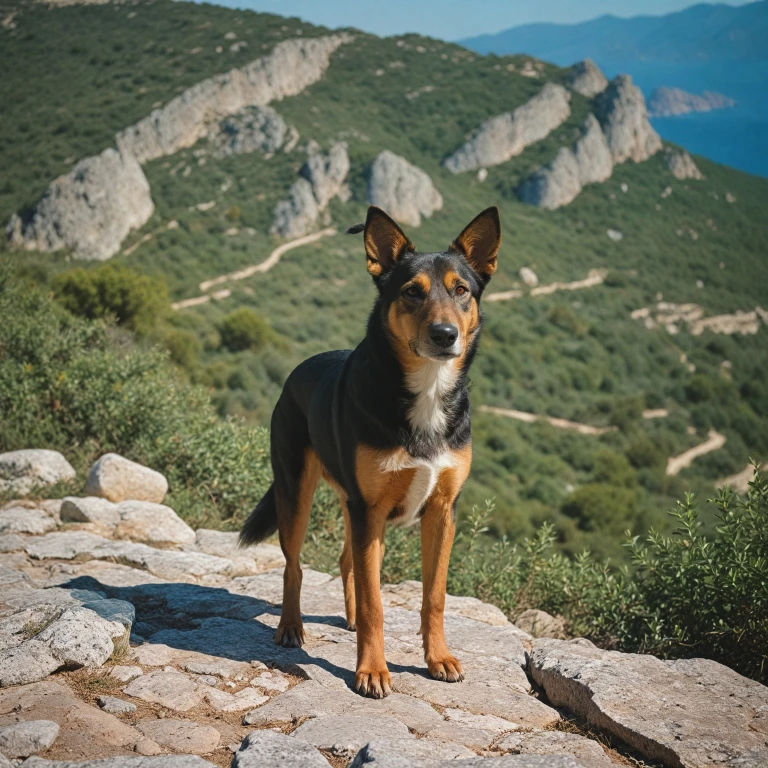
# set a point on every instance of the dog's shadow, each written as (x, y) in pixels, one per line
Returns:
(214, 621)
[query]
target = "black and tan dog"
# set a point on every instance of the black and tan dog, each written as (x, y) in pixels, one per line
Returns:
(388, 426)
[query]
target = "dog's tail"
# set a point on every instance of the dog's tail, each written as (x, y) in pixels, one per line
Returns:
(355, 228)
(262, 522)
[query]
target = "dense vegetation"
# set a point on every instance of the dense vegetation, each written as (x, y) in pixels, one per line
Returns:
(83, 388)
(573, 355)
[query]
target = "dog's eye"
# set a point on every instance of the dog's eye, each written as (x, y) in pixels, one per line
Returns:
(412, 292)
(460, 290)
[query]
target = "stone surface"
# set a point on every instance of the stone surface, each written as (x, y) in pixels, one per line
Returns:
(501, 138)
(560, 182)
(682, 166)
(401, 189)
(126, 673)
(11, 542)
(21, 471)
(665, 102)
(344, 736)
(173, 690)
(540, 623)
(686, 713)
(152, 523)
(556, 742)
(622, 113)
(267, 748)
(181, 735)
(116, 478)
(90, 509)
(323, 177)
(115, 706)
(587, 78)
(255, 129)
(163, 761)
(248, 698)
(25, 519)
(27, 737)
(90, 209)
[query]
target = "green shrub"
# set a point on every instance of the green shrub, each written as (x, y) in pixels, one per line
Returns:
(245, 329)
(133, 299)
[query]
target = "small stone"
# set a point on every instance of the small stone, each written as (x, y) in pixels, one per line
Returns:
(90, 509)
(271, 681)
(152, 523)
(173, 690)
(21, 471)
(248, 698)
(126, 673)
(118, 479)
(540, 623)
(27, 738)
(208, 680)
(181, 735)
(529, 277)
(115, 706)
(268, 748)
(147, 747)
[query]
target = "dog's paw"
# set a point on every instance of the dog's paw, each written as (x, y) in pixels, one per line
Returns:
(448, 669)
(290, 637)
(374, 683)
(352, 627)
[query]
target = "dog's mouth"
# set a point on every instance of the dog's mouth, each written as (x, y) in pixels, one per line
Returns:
(433, 352)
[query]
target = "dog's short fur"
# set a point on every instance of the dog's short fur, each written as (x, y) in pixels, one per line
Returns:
(388, 426)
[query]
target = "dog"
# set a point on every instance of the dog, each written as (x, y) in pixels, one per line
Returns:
(387, 425)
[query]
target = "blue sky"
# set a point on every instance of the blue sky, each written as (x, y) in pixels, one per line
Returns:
(453, 19)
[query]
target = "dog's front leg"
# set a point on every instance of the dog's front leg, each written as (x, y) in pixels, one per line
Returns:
(437, 531)
(372, 677)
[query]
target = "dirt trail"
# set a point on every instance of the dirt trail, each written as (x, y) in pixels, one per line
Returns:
(584, 429)
(595, 277)
(197, 300)
(714, 442)
(741, 480)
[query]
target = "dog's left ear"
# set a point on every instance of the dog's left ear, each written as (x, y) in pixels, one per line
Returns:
(480, 241)
(385, 242)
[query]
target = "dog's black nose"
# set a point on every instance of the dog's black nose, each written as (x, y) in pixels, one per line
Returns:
(443, 334)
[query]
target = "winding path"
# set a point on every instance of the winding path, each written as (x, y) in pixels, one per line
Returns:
(714, 442)
(584, 429)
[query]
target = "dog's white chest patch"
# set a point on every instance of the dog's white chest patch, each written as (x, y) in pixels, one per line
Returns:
(430, 383)
(424, 481)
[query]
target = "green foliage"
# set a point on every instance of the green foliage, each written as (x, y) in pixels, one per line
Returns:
(244, 329)
(113, 290)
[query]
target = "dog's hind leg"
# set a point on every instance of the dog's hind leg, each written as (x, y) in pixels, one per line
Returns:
(347, 575)
(294, 502)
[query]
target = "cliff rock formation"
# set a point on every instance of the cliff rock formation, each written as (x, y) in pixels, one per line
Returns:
(666, 102)
(682, 166)
(504, 136)
(403, 190)
(587, 78)
(255, 129)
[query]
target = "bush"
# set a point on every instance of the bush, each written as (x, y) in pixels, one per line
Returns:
(133, 299)
(245, 329)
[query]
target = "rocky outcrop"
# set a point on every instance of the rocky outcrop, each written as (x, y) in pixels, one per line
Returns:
(292, 66)
(403, 190)
(690, 713)
(587, 78)
(557, 184)
(20, 471)
(667, 102)
(502, 137)
(323, 177)
(257, 129)
(623, 116)
(91, 209)
(681, 164)
(118, 479)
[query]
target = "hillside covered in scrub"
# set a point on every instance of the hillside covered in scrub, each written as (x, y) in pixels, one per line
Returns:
(229, 150)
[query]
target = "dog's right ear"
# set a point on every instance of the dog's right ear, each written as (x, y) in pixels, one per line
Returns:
(385, 242)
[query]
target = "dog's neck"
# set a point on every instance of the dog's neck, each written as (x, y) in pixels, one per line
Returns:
(431, 382)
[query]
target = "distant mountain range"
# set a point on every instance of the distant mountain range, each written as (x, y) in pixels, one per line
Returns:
(700, 33)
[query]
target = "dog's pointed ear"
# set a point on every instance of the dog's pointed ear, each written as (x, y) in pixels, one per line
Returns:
(385, 242)
(480, 241)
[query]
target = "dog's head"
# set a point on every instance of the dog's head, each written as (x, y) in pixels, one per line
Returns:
(431, 301)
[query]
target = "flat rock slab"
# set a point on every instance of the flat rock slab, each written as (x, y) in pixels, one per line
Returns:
(27, 737)
(173, 690)
(689, 713)
(345, 735)
(153, 523)
(181, 735)
(119, 479)
(115, 706)
(18, 519)
(556, 742)
(222, 701)
(268, 748)
(90, 509)
(161, 761)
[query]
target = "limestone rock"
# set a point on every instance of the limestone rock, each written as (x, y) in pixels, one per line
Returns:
(557, 184)
(403, 190)
(323, 177)
(161, 761)
(248, 698)
(665, 102)
(90, 509)
(688, 713)
(154, 523)
(540, 623)
(21, 471)
(224, 544)
(118, 479)
(682, 166)
(425, 753)
(173, 690)
(126, 673)
(181, 735)
(115, 706)
(556, 742)
(25, 519)
(529, 277)
(11, 542)
(256, 129)
(90, 209)
(623, 116)
(27, 738)
(587, 78)
(291, 67)
(263, 748)
(502, 137)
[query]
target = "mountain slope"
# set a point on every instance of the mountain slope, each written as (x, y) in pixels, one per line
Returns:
(575, 355)
(697, 34)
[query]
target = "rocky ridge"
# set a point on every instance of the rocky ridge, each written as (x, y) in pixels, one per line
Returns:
(502, 137)
(202, 676)
(93, 207)
(403, 190)
(668, 102)
(682, 166)
(587, 78)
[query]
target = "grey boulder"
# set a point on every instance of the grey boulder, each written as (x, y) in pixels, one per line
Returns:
(118, 479)
(21, 471)
(27, 737)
